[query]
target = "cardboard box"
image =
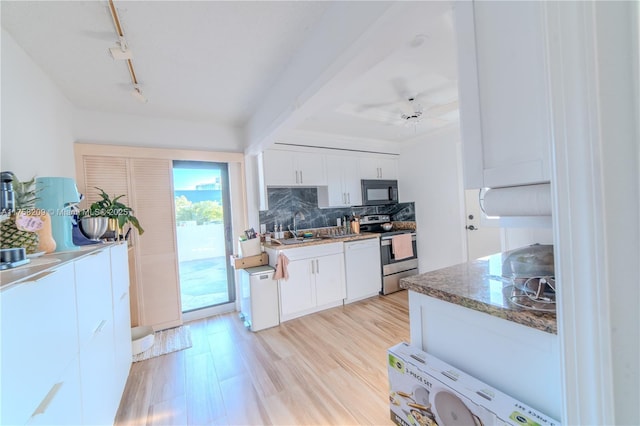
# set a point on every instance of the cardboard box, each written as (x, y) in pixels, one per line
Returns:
(426, 391)
(249, 261)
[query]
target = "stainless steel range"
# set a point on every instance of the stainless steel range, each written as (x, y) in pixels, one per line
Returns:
(392, 269)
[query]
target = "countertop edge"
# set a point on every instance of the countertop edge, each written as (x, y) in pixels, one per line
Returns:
(427, 284)
(10, 278)
(363, 236)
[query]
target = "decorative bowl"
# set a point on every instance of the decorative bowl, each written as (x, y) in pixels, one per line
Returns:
(93, 227)
(387, 226)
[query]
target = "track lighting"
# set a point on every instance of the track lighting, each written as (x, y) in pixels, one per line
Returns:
(137, 93)
(122, 51)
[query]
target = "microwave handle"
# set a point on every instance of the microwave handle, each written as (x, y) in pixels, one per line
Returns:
(392, 194)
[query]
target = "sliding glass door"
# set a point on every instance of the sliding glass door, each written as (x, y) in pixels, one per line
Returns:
(203, 225)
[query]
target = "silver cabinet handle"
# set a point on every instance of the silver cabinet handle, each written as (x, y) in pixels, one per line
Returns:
(348, 198)
(301, 180)
(100, 327)
(317, 266)
(40, 276)
(313, 270)
(44, 404)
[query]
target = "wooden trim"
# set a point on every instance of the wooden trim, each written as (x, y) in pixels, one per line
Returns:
(156, 153)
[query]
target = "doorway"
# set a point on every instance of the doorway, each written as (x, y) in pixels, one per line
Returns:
(482, 240)
(203, 233)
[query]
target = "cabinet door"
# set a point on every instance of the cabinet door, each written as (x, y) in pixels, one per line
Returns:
(121, 317)
(351, 182)
(329, 277)
(39, 338)
(504, 93)
(369, 168)
(297, 294)
(97, 380)
(335, 181)
(279, 168)
(63, 403)
(343, 181)
(93, 294)
(378, 168)
(310, 168)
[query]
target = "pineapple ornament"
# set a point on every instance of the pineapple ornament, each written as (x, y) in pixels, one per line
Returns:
(20, 229)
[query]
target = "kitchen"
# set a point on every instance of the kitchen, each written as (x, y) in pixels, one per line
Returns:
(30, 96)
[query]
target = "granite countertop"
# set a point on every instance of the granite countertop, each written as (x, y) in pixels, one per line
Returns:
(478, 285)
(14, 276)
(344, 239)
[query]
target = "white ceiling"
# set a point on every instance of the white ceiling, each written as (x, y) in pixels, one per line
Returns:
(215, 61)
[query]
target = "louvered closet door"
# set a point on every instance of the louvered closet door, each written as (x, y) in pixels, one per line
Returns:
(108, 173)
(152, 197)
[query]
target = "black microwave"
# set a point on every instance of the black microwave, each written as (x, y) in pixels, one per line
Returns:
(376, 192)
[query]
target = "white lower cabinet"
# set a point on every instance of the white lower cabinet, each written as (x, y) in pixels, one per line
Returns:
(61, 405)
(121, 318)
(330, 283)
(316, 280)
(61, 337)
(39, 339)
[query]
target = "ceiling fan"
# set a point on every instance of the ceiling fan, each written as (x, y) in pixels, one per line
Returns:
(415, 112)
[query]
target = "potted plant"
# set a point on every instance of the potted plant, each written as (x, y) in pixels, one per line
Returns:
(117, 213)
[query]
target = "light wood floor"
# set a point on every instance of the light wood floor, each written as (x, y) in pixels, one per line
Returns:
(321, 369)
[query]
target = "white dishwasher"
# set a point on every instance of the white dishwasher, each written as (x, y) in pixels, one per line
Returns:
(363, 270)
(259, 301)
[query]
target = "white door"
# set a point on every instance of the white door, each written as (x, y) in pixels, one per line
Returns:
(481, 240)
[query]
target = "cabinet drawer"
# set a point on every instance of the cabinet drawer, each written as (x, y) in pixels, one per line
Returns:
(119, 271)
(97, 372)
(62, 404)
(313, 251)
(38, 340)
(93, 294)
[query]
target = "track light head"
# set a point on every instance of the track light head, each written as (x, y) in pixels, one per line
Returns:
(137, 93)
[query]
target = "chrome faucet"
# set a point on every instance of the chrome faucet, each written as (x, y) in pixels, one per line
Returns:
(295, 224)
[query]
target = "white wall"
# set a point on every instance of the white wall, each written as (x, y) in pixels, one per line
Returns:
(429, 174)
(513, 238)
(37, 134)
(125, 129)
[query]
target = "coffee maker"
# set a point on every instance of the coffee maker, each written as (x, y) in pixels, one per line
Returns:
(58, 196)
(7, 196)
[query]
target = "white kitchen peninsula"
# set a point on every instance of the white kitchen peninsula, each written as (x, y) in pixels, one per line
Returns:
(462, 315)
(66, 337)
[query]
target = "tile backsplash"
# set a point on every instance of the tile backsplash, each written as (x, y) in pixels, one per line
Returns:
(284, 202)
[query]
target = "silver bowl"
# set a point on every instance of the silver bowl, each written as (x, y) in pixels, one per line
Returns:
(387, 226)
(93, 227)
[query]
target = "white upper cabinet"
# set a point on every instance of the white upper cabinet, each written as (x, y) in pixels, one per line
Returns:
(343, 181)
(378, 167)
(292, 168)
(504, 93)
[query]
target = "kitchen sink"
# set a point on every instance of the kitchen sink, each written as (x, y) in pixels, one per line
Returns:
(290, 241)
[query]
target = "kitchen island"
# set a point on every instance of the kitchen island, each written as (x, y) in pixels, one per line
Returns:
(462, 314)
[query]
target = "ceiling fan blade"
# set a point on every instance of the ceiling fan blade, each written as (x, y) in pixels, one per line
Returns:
(401, 88)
